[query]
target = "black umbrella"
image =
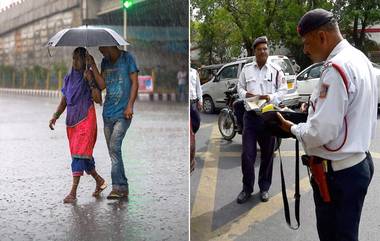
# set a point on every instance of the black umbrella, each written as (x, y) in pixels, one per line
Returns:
(86, 36)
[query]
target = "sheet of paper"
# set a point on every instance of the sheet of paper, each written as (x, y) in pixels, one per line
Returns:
(254, 103)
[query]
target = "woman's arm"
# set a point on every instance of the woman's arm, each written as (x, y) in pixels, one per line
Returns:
(60, 109)
(96, 95)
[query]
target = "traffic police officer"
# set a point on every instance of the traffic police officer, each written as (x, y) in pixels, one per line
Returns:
(266, 80)
(340, 125)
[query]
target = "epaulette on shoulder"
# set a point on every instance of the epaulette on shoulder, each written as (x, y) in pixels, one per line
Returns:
(250, 60)
(275, 66)
(248, 64)
(326, 65)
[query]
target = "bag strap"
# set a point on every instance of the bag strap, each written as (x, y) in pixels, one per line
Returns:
(277, 79)
(345, 81)
(297, 195)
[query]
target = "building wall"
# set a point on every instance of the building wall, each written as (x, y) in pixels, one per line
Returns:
(27, 26)
(24, 47)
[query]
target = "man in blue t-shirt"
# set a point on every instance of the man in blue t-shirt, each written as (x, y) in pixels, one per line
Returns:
(119, 75)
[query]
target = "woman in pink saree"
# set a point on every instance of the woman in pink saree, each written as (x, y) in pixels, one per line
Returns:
(79, 93)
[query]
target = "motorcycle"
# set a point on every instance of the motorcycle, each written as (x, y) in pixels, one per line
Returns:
(227, 121)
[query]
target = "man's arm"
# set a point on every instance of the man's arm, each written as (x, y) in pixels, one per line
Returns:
(99, 78)
(199, 88)
(242, 86)
(199, 92)
(128, 113)
(95, 92)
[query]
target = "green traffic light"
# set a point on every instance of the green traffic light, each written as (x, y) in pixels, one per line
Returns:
(127, 3)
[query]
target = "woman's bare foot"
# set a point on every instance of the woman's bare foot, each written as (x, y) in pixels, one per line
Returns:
(71, 198)
(100, 186)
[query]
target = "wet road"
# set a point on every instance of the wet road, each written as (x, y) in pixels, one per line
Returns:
(35, 176)
(216, 182)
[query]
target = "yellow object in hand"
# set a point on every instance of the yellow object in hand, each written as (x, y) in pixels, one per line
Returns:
(267, 108)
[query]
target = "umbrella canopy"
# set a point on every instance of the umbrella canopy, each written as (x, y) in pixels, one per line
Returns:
(86, 36)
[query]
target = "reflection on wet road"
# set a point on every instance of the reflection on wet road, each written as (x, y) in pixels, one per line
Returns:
(35, 176)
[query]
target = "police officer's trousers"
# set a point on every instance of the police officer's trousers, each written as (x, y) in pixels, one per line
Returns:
(239, 110)
(339, 220)
(253, 132)
(194, 116)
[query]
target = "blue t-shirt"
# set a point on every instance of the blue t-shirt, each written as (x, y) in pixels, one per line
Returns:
(118, 84)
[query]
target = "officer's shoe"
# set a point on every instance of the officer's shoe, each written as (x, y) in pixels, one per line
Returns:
(243, 197)
(264, 195)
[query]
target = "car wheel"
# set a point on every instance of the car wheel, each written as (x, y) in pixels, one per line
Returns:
(208, 105)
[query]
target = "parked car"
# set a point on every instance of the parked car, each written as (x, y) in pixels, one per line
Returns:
(309, 77)
(213, 91)
(206, 73)
(307, 80)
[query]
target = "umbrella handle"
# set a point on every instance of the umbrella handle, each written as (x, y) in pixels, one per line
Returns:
(49, 52)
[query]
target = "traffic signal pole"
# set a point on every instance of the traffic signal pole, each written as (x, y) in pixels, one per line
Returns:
(125, 26)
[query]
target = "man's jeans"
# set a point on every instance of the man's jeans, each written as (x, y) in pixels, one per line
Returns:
(114, 132)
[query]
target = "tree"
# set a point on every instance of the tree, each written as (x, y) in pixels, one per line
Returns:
(355, 16)
(226, 25)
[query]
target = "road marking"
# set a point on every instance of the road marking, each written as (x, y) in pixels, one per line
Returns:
(260, 212)
(203, 208)
(203, 126)
(238, 154)
(375, 155)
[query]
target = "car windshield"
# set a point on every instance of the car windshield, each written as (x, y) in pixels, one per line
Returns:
(285, 65)
(315, 72)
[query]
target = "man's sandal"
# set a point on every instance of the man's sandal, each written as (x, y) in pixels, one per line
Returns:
(99, 189)
(117, 194)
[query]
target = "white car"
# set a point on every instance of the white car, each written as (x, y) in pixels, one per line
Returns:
(213, 91)
(309, 77)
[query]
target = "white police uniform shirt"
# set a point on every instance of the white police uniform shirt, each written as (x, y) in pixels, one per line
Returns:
(195, 85)
(263, 81)
(325, 123)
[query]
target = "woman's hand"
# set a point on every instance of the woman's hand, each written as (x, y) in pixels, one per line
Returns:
(52, 123)
(90, 60)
